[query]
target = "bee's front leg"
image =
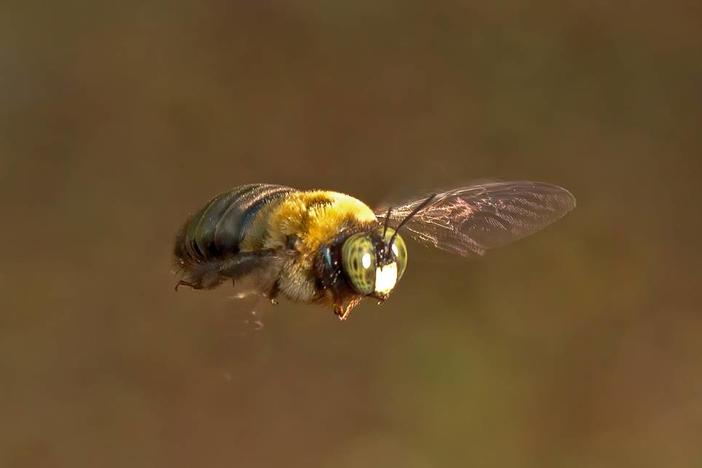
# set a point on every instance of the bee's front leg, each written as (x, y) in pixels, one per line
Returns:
(343, 310)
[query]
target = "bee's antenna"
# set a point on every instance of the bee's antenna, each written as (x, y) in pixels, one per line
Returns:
(419, 208)
(387, 220)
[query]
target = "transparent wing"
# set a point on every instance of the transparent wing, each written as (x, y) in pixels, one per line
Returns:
(470, 220)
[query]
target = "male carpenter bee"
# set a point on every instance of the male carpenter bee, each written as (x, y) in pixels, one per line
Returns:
(326, 247)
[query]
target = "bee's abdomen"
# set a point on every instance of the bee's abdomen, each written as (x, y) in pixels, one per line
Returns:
(218, 229)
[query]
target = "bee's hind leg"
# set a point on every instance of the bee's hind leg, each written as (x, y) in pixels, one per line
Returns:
(261, 267)
(201, 276)
(188, 284)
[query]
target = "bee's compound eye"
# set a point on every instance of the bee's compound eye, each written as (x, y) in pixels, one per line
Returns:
(358, 260)
(399, 250)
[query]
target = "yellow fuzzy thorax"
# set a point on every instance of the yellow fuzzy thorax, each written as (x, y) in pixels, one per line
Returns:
(315, 218)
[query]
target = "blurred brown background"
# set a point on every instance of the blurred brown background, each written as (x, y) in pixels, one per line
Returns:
(579, 347)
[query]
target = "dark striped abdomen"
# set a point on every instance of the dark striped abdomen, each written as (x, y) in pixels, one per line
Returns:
(218, 228)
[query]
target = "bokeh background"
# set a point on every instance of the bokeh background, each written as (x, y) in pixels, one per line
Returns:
(578, 347)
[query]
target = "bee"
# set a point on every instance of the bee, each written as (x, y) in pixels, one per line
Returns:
(318, 246)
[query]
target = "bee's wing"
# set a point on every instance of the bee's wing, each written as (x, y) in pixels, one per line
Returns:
(473, 219)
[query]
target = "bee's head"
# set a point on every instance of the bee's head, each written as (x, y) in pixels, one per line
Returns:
(373, 261)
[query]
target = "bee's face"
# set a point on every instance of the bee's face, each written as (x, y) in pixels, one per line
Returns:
(371, 264)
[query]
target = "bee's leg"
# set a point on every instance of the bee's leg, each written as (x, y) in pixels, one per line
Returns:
(272, 294)
(343, 310)
(187, 283)
(245, 263)
(203, 276)
(262, 267)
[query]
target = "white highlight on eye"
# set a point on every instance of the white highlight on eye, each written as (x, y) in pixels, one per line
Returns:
(366, 260)
(394, 250)
(385, 278)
